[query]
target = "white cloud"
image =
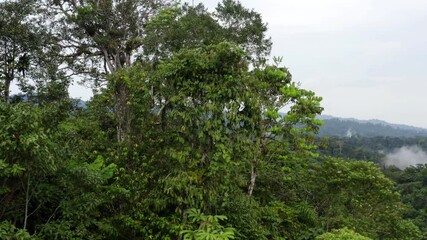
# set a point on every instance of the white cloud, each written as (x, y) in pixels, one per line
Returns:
(325, 15)
(406, 156)
(310, 15)
(79, 91)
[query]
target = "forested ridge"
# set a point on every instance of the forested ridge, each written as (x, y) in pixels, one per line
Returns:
(183, 138)
(343, 127)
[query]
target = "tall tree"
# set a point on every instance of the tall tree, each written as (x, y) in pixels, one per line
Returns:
(244, 27)
(174, 29)
(28, 58)
(102, 37)
(199, 115)
(18, 43)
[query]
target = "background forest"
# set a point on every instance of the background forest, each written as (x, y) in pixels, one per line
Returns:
(184, 137)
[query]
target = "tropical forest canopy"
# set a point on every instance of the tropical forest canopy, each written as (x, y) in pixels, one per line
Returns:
(183, 138)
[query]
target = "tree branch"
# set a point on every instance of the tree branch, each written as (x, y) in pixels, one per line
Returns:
(27, 202)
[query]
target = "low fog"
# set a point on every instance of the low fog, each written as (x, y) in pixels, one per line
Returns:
(406, 156)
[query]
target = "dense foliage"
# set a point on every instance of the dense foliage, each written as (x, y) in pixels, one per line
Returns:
(410, 181)
(183, 138)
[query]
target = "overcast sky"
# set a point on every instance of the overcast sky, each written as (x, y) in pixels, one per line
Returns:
(366, 58)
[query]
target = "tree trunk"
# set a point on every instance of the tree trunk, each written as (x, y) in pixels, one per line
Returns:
(113, 63)
(9, 75)
(254, 170)
(123, 113)
(27, 203)
(6, 90)
(255, 165)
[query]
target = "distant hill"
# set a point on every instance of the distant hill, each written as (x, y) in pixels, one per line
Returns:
(348, 127)
(16, 98)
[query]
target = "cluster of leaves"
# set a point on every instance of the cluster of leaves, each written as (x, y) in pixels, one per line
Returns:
(9, 231)
(342, 234)
(48, 186)
(209, 227)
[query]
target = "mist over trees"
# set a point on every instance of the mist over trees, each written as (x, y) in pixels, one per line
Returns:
(183, 138)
